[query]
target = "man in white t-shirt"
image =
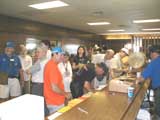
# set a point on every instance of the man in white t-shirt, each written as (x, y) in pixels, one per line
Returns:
(108, 56)
(37, 70)
(26, 62)
(107, 60)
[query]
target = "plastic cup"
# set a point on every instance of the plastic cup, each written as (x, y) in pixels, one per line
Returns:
(130, 92)
(138, 74)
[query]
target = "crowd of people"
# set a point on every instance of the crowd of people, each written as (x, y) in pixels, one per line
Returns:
(51, 74)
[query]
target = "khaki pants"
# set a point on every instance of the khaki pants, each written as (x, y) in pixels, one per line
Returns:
(13, 88)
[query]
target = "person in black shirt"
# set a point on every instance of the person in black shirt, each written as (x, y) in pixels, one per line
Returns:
(80, 60)
(83, 80)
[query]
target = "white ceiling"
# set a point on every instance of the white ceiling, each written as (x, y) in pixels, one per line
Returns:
(119, 12)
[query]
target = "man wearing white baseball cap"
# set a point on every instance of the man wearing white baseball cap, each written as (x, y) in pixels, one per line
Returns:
(117, 64)
(125, 58)
(125, 50)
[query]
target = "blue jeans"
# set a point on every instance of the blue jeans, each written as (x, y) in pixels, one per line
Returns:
(54, 108)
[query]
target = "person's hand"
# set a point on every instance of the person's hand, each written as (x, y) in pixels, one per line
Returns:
(80, 65)
(22, 83)
(85, 67)
(28, 72)
(138, 80)
(68, 95)
(126, 70)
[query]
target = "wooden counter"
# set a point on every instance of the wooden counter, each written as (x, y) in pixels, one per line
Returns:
(108, 106)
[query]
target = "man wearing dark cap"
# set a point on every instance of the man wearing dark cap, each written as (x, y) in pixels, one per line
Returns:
(10, 66)
(152, 71)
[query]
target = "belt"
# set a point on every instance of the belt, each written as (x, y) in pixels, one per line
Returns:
(37, 83)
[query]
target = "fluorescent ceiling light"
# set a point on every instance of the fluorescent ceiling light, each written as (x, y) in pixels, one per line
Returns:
(47, 5)
(152, 29)
(132, 33)
(146, 21)
(120, 30)
(99, 23)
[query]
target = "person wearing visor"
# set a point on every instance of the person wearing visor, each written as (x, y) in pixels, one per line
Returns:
(10, 69)
(54, 92)
(152, 71)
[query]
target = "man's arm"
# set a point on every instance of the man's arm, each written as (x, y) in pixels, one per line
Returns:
(145, 74)
(21, 77)
(56, 89)
(140, 80)
(87, 86)
(21, 71)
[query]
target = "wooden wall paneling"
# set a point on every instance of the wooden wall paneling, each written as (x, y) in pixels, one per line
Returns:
(117, 44)
(154, 40)
(19, 29)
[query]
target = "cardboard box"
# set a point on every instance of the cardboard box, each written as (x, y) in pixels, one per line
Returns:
(117, 85)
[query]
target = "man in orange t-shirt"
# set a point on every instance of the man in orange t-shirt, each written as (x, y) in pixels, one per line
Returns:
(53, 83)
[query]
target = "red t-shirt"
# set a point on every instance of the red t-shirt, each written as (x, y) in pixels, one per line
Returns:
(52, 75)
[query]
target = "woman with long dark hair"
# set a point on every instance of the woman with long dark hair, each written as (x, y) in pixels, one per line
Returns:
(80, 60)
(81, 73)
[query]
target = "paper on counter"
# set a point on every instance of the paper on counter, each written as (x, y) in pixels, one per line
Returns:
(101, 87)
(87, 95)
(64, 109)
(53, 116)
(82, 98)
(74, 102)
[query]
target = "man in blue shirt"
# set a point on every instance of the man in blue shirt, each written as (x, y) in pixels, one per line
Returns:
(10, 64)
(152, 71)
